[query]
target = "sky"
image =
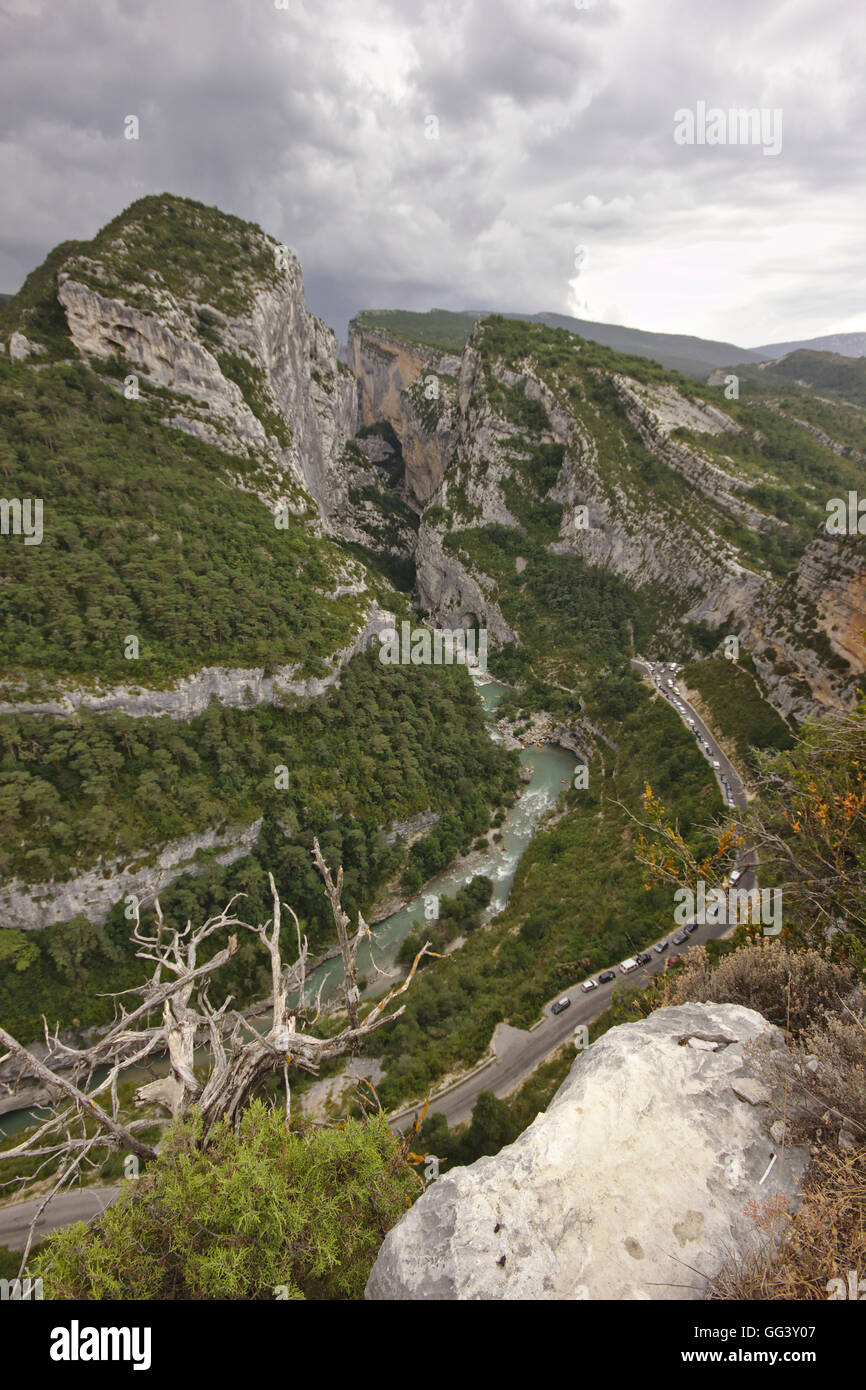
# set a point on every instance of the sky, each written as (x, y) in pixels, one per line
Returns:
(526, 155)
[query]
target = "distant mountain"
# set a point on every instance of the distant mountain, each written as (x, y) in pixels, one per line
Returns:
(848, 344)
(680, 352)
(826, 372)
(449, 330)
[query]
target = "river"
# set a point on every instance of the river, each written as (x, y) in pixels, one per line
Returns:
(551, 769)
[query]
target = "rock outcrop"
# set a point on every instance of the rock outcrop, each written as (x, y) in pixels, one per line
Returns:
(233, 686)
(296, 404)
(413, 389)
(30, 906)
(808, 638)
(636, 1183)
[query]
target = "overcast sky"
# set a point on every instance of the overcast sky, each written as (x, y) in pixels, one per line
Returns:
(555, 124)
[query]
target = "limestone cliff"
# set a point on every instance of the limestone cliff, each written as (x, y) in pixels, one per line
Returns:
(808, 638)
(412, 388)
(652, 482)
(266, 381)
(31, 906)
(634, 1184)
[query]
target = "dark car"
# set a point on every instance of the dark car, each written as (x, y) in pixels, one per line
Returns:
(644, 958)
(680, 937)
(606, 976)
(561, 1005)
(691, 927)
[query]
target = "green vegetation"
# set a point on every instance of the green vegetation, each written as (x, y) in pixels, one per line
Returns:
(739, 713)
(165, 243)
(263, 1213)
(826, 372)
(584, 615)
(458, 916)
(579, 900)
(438, 328)
(370, 753)
(142, 536)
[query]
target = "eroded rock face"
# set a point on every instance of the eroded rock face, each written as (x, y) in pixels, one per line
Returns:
(241, 687)
(31, 906)
(634, 1184)
(291, 355)
(456, 597)
(412, 387)
(807, 638)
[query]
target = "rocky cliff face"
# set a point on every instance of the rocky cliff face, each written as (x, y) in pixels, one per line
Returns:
(628, 1187)
(610, 516)
(266, 382)
(239, 687)
(93, 894)
(647, 490)
(412, 388)
(808, 638)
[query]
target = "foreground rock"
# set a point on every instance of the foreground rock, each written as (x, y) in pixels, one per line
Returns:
(635, 1184)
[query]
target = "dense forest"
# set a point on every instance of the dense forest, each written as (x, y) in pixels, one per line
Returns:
(142, 536)
(390, 742)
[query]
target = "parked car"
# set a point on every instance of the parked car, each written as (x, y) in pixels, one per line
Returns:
(737, 874)
(672, 960)
(662, 946)
(691, 927)
(678, 940)
(606, 976)
(561, 1005)
(716, 763)
(627, 966)
(588, 985)
(644, 958)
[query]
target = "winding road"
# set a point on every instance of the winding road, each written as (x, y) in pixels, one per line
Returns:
(517, 1052)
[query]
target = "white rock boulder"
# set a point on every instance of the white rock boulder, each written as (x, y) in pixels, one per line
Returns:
(638, 1182)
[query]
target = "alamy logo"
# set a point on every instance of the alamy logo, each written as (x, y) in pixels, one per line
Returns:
(741, 126)
(846, 516)
(737, 905)
(77, 1343)
(22, 517)
(440, 647)
(855, 1290)
(17, 1290)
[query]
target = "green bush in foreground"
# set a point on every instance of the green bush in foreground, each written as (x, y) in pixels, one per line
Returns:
(261, 1208)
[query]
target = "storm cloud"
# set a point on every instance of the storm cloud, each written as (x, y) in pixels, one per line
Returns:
(455, 154)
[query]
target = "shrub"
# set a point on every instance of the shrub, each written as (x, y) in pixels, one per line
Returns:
(263, 1207)
(792, 989)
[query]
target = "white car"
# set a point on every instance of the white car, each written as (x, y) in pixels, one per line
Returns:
(589, 985)
(627, 966)
(736, 875)
(716, 763)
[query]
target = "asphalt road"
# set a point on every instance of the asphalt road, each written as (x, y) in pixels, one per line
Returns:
(81, 1204)
(525, 1051)
(519, 1052)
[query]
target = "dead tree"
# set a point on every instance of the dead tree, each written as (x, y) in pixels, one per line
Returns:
(84, 1122)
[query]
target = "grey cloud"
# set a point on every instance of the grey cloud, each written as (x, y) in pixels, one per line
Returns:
(556, 127)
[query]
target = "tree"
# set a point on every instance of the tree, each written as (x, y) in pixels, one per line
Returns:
(84, 1119)
(492, 1127)
(808, 826)
(262, 1212)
